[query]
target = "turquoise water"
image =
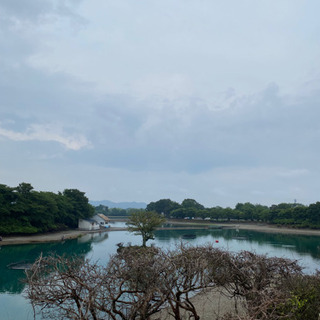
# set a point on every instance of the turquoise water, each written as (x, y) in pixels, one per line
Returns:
(99, 247)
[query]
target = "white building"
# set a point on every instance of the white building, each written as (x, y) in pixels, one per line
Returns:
(99, 221)
(102, 220)
(88, 224)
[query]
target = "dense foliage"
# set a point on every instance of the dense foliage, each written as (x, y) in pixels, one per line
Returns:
(24, 210)
(292, 214)
(112, 212)
(144, 223)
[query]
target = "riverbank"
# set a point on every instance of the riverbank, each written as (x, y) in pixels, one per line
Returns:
(73, 234)
(51, 237)
(262, 227)
(210, 304)
(272, 229)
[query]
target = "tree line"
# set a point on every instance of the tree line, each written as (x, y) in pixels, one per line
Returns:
(113, 212)
(291, 214)
(24, 210)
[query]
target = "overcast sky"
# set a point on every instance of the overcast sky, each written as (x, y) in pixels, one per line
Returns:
(127, 100)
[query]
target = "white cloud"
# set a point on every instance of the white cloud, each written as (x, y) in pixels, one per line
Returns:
(293, 173)
(48, 132)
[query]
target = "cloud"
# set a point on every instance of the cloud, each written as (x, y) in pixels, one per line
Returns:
(161, 99)
(48, 132)
(293, 173)
(35, 11)
(190, 135)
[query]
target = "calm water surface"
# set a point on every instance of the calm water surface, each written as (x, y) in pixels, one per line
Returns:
(98, 248)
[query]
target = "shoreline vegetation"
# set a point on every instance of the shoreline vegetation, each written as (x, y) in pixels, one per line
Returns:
(76, 233)
(24, 211)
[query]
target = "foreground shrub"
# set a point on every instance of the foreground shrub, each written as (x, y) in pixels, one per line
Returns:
(302, 298)
(138, 282)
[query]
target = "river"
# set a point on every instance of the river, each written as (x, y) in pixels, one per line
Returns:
(99, 247)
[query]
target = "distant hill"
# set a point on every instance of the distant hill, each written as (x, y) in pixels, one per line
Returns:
(121, 205)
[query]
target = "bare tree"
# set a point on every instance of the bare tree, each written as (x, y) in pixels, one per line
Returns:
(140, 281)
(135, 282)
(65, 288)
(258, 281)
(188, 273)
(128, 288)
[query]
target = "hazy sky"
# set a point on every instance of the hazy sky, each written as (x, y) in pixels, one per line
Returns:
(127, 100)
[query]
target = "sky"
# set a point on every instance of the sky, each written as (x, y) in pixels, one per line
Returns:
(218, 101)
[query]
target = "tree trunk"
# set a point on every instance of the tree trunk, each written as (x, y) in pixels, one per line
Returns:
(144, 241)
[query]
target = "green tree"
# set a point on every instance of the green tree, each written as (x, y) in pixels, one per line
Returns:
(313, 214)
(144, 223)
(165, 206)
(119, 212)
(101, 209)
(7, 198)
(80, 207)
(191, 203)
(248, 210)
(24, 188)
(24, 210)
(43, 211)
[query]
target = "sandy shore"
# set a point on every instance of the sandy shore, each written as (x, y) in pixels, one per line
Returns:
(50, 237)
(262, 227)
(72, 234)
(274, 229)
(210, 304)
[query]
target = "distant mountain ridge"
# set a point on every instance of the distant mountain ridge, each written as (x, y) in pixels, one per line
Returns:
(121, 205)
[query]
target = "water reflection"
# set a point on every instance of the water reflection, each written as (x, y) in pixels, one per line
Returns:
(11, 280)
(94, 237)
(98, 246)
(232, 238)
(118, 224)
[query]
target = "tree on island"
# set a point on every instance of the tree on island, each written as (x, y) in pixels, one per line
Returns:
(144, 223)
